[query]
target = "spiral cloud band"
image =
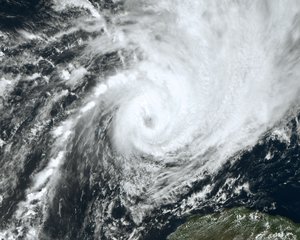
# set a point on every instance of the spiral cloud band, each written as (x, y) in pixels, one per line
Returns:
(208, 76)
(205, 80)
(135, 112)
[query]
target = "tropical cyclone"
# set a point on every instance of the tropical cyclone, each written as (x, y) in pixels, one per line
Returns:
(120, 116)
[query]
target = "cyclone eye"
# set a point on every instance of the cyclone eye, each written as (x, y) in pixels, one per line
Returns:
(148, 122)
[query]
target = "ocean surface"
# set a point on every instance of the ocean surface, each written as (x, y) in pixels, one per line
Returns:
(119, 119)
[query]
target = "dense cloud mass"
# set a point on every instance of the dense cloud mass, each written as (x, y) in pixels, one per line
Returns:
(120, 118)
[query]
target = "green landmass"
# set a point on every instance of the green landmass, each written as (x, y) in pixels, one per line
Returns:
(237, 224)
